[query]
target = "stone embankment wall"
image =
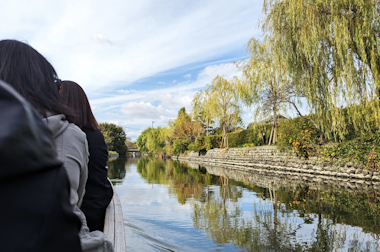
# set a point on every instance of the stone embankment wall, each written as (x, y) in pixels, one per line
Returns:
(274, 179)
(269, 160)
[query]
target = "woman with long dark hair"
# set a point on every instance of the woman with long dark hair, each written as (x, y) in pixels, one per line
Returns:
(34, 77)
(98, 189)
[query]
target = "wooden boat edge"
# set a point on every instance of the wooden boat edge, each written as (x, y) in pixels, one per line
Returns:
(114, 223)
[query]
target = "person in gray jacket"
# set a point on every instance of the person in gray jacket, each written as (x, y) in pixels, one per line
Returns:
(35, 78)
(72, 148)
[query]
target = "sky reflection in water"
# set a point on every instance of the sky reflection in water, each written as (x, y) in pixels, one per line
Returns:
(170, 207)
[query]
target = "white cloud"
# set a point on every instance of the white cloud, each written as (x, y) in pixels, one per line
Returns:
(228, 70)
(125, 91)
(161, 82)
(103, 39)
(133, 134)
(176, 100)
(113, 43)
(187, 76)
(174, 81)
(145, 110)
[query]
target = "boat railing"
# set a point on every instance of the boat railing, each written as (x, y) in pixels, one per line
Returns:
(114, 223)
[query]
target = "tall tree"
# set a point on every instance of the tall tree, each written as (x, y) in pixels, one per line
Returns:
(202, 108)
(332, 50)
(266, 84)
(152, 140)
(184, 127)
(225, 105)
(115, 137)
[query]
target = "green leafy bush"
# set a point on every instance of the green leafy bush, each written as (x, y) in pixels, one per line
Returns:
(191, 147)
(249, 145)
(302, 143)
(180, 145)
(299, 135)
(250, 136)
(363, 149)
(287, 130)
(205, 143)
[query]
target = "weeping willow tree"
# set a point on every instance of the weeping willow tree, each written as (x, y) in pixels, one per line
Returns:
(266, 84)
(153, 140)
(331, 49)
(202, 108)
(224, 104)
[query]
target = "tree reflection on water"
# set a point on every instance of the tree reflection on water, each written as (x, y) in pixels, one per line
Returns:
(117, 168)
(294, 218)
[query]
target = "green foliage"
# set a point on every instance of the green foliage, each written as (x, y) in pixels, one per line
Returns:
(302, 143)
(184, 127)
(299, 135)
(179, 146)
(141, 141)
(224, 104)
(202, 109)
(191, 147)
(265, 83)
(364, 149)
(153, 140)
(249, 145)
(331, 50)
(114, 137)
(205, 143)
(250, 136)
(287, 130)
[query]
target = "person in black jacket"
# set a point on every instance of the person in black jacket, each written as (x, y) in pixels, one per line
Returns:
(34, 189)
(98, 189)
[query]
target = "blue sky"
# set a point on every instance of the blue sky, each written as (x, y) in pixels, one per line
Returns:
(138, 61)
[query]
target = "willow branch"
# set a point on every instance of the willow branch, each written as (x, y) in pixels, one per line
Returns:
(304, 117)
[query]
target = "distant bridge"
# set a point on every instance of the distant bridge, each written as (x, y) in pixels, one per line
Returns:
(133, 150)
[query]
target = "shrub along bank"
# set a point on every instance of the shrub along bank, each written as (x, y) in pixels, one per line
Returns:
(302, 138)
(252, 137)
(305, 140)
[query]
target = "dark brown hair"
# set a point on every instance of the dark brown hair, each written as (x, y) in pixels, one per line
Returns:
(32, 76)
(72, 95)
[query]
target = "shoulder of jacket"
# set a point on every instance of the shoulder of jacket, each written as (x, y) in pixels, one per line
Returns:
(75, 133)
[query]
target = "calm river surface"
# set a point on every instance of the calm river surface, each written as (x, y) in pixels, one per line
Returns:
(169, 206)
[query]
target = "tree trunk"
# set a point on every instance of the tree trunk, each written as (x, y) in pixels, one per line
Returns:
(271, 134)
(207, 127)
(275, 123)
(224, 135)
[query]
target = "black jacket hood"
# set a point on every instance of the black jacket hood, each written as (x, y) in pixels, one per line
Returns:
(26, 143)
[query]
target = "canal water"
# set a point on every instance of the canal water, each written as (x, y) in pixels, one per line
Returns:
(176, 206)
